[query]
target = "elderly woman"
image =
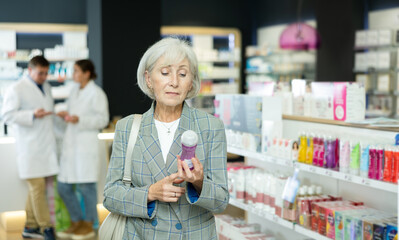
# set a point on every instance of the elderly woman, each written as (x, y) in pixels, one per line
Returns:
(166, 200)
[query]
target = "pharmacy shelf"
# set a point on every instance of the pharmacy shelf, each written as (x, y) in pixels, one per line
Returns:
(390, 187)
(263, 214)
(278, 220)
(260, 156)
(309, 233)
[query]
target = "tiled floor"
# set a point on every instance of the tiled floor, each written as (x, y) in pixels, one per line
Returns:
(17, 235)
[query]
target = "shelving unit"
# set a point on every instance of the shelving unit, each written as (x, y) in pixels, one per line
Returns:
(277, 220)
(266, 215)
(376, 66)
(322, 175)
(279, 67)
(219, 60)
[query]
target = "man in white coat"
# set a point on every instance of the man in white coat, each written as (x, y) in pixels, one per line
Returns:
(28, 105)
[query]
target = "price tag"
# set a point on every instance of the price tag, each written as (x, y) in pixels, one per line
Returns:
(328, 173)
(312, 169)
(275, 218)
(366, 181)
(348, 177)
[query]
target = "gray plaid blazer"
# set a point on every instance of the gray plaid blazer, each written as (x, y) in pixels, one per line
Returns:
(181, 220)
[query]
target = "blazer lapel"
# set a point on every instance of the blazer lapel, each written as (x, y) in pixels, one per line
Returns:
(151, 148)
(175, 149)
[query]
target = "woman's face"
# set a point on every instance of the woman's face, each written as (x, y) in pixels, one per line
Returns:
(170, 83)
(79, 76)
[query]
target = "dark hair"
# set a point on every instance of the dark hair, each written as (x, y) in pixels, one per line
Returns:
(87, 65)
(38, 61)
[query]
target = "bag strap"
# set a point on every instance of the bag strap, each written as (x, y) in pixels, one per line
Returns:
(127, 174)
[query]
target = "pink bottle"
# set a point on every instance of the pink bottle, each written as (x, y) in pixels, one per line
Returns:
(189, 140)
(372, 162)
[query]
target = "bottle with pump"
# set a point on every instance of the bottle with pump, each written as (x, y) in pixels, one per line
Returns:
(189, 140)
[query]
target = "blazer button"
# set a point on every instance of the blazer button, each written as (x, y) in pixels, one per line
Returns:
(154, 222)
(178, 226)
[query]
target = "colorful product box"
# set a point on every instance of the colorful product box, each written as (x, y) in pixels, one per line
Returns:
(392, 232)
(342, 101)
(243, 115)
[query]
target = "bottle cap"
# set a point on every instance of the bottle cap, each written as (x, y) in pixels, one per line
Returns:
(189, 138)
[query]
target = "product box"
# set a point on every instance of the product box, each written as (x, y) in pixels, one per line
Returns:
(392, 232)
(342, 101)
(349, 101)
(379, 228)
(385, 37)
(372, 59)
(271, 130)
(372, 38)
(299, 87)
(361, 38)
(242, 114)
(368, 228)
(386, 60)
(272, 126)
(361, 62)
(364, 80)
(323, 94)
(384, 82)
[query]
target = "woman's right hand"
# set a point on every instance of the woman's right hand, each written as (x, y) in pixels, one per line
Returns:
(165, 191)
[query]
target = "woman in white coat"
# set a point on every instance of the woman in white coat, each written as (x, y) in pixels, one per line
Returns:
(87, 113)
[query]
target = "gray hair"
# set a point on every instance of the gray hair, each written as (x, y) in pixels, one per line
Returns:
(173, 50)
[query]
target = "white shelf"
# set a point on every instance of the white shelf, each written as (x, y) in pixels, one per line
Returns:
(310, 233)
(278, 220)
(263, 214)
(260, 156)
(390, 187)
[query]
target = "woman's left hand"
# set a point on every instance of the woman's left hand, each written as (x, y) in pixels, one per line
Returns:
(195, 176)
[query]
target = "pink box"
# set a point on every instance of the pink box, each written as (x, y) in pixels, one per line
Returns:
(342, 101)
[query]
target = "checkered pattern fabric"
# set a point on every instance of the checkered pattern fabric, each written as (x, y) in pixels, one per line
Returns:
(181, 220)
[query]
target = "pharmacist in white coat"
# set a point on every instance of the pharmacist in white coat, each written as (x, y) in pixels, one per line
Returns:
(28, 105)
(87, 113)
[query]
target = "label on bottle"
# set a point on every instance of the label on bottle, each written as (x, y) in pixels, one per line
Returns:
(187, 154)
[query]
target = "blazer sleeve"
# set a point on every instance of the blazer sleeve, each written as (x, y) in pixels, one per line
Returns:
(214, 195)
(12, 113)
(118, 198)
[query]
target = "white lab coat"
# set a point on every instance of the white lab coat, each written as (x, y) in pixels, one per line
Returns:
(80, 158)
(35, 140)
